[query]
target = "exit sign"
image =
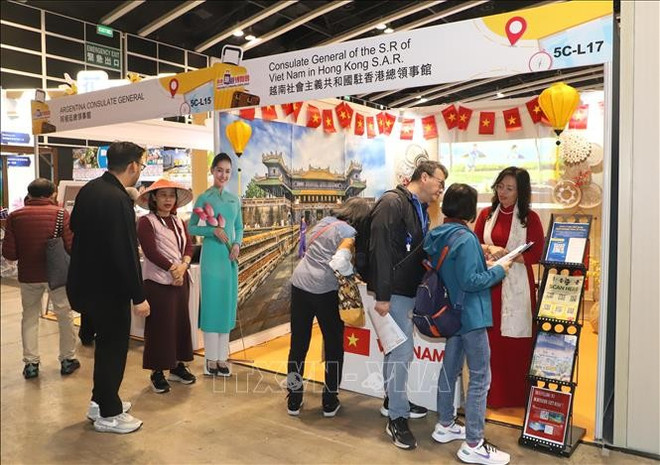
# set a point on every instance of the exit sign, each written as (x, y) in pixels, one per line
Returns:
(104, 30)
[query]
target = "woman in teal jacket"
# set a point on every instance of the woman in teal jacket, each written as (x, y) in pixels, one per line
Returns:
(217, 217)
(467, 278)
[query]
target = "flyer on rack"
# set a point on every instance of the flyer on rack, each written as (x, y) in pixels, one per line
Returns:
(553, 356)
(547, 415)
(567, 242)
(561, 297)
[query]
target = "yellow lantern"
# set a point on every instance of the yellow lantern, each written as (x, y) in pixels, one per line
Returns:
(559, 102)
(239, 133)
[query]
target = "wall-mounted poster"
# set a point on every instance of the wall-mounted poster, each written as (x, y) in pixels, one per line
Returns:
(553, 356)
(547, 415)
(561, 297)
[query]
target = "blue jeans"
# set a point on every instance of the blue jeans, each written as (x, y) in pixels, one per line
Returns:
(474, 347)
(397, 362)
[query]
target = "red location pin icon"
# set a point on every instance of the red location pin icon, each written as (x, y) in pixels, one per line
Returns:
(515, 28)
(174, 85)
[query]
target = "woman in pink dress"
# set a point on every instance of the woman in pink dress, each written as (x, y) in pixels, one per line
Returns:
(507, 224)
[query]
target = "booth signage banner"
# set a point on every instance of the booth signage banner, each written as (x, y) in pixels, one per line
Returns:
(207, 89)
(102, 55)
(549, 37)
(18, 138)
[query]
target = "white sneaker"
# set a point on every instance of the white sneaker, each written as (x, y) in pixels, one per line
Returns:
(94, 412)
(445, 434)
(484, 453)
(121, 424)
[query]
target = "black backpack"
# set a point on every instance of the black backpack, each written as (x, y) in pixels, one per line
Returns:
(434, 315)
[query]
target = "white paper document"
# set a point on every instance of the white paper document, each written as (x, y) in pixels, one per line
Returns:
(511, 255)
(388, 332)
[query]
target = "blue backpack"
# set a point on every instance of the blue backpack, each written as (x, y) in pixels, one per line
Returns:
(434, 315)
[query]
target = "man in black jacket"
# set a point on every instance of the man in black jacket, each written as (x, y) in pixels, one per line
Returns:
(399, 223)
(105, 276)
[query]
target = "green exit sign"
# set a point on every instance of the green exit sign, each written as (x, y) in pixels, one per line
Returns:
(104, 30)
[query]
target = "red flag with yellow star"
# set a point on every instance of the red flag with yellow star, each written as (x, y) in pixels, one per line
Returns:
(430, 127)
(359, 125)
(247, 113)
(287, 108)
(357, 340)
(344, 114)
(388, 123)
(512, 120)
(297, 106)
(579, 118)
(313, 117)
(487, 122)
(380, 120)
(451, 116)
(464, 115)
(328, 121)
(407, 129)
(534, 110)
(371, 127)
(268, 113)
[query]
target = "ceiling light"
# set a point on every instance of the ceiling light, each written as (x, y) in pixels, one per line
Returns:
(238, 33)
(389, 30)
(418, 97)
(499, 95)
(423, 100)
(250, 37)
(381, 26)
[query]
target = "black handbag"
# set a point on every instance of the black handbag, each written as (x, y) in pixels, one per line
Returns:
(57, 258)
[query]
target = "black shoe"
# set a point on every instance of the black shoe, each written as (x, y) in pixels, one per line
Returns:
(158, 382)
(331, 406)
(69, 365)
(31, 370)
(223, 369)
(87, 342)
(401, 435)
(416, 411)
(293, 403)
(182, 375)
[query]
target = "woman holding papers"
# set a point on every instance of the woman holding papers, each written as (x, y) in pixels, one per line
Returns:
(314, 295)
(507, 224)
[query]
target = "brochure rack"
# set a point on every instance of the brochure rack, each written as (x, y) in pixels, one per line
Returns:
(552, 376)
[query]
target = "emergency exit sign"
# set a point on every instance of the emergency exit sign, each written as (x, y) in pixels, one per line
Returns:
(104, 30)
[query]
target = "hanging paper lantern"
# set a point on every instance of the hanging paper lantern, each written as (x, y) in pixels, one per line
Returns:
(239, 133)
(559, 102)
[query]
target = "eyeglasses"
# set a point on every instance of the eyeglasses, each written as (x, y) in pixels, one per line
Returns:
(142, 165)
(441, 182)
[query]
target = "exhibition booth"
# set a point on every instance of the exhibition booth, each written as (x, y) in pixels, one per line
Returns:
(305, 151)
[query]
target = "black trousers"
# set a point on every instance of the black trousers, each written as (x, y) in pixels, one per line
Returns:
(304, 307)
(112, 323)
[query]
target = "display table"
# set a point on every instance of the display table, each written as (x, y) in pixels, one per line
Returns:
(137, 323)
(363, 363)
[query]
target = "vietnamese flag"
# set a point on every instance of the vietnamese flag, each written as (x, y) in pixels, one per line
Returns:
(512, 120)
(287, 108)
(371, 127)
(407, 129)
(313, 117)
(247, 113)
(380, 119)
(534, 110)
(268, 113)
(359, 125)
(357, 340)
(297, 106)
(487, 122)
(344, 114)
(388, 124)
(430, 127)
(464, 115)
(328, 121)
(579, 118)
(450, 116)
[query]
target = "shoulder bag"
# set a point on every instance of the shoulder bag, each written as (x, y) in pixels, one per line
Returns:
(57, 258)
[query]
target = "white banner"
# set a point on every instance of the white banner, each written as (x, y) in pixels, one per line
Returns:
(538, 39)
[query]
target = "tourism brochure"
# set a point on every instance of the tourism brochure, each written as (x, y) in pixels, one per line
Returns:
(513, 254)
(553, 356)
(388, 332)
(561, 297)
(567, 242)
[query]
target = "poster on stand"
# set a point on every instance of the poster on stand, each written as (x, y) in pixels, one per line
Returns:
(553, 356)
(567, 242)
(547, 415)
(561, 297)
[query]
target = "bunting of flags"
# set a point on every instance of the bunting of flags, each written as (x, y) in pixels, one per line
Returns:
(383, 123)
